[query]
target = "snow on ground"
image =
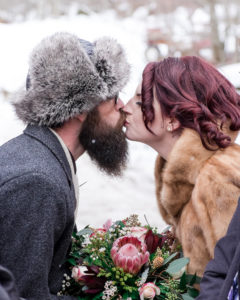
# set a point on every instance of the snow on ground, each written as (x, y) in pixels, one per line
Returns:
(101, 197)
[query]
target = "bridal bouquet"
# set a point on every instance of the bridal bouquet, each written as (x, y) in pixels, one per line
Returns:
(124, 260)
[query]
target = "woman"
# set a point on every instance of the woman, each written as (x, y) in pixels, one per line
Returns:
(190, 114)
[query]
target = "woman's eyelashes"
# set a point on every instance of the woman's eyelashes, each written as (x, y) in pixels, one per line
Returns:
(139, 103)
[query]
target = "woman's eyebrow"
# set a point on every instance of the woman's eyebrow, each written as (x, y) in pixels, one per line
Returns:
(138, 94)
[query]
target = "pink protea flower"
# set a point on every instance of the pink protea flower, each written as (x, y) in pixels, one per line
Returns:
(148, 291)
(129, 253)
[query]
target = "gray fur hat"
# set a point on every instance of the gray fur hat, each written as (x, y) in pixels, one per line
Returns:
(68, 76)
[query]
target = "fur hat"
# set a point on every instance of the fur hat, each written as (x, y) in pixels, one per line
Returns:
(68, 76)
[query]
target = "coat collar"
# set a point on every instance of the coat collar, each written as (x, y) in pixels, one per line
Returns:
(48, 139)
(175, 179)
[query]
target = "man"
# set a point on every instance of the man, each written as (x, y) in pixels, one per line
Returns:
(221, 279)
(70, 105)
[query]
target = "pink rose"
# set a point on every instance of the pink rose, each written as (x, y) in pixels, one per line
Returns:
(78, 272)
(139, 232)
(148, 291)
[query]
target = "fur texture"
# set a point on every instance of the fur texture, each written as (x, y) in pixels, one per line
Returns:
(197, 192)
(66, 81)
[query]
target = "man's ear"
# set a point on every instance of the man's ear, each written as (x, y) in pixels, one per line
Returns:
(82, 117)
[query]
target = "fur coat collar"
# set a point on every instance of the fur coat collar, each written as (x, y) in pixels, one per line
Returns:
(176, 178)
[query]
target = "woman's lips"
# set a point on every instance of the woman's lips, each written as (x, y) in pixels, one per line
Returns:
(126, 123)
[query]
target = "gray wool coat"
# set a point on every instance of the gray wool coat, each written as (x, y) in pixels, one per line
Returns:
(8, 290)
(37, 204)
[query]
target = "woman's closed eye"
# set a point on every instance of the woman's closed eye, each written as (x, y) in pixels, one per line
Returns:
(139, 103)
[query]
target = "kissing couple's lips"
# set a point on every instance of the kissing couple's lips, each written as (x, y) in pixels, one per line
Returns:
(122, 120)
(126, 123)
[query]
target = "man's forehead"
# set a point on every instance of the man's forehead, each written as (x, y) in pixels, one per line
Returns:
(105, 105)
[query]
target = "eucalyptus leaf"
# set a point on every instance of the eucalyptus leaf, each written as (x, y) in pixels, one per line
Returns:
(166, 229)
(167, 260)
(177, 265)
(85, 231)
(187, 297)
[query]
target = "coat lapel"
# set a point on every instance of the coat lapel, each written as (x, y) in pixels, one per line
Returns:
(46, 137)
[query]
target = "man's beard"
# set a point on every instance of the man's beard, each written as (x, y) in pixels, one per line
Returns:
(106, 145)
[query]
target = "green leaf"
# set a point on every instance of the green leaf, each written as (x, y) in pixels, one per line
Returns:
(125, 295)
(76, 255)
(152, 256)
(72, 261)
(98, 296)
(183, 282)
(177, 265)
(192, 292)
(192, 279)
(118, 223)
(187, 297)
(167, 260)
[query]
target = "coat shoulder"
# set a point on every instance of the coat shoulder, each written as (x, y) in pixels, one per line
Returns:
(223, 166)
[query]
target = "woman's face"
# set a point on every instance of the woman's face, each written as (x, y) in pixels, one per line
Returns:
(135, 127)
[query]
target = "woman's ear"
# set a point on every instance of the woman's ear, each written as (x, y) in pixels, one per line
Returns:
(173, 125)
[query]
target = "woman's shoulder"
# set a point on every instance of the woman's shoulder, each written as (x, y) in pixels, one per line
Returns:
(225, 160)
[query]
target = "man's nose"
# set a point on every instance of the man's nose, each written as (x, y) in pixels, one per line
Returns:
(126, 108)
(119, 104)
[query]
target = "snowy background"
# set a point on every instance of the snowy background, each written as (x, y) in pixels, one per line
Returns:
(101, 197)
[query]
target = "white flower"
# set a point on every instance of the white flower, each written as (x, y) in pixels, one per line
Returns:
(148, 291)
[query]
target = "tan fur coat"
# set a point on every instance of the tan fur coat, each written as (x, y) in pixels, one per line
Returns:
(197, 192)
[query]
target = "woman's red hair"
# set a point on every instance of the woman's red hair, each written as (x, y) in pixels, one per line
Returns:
(196, 94)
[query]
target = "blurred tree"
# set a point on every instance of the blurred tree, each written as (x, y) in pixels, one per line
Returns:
(224, 20)
(223, 24)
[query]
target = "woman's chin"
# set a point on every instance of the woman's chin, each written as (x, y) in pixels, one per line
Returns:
(129, 137)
